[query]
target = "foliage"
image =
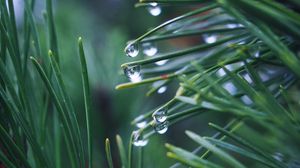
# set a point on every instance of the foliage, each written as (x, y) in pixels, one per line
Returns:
(246, 66)
(38, 121)
(235, 60)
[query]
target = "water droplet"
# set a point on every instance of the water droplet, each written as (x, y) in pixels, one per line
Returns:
(240, 25)
(230, 87)
(162, 90)
(154, 9)
(232, 26)
(246, 99)
(161, 128)
(149, 49)
(133, 73)
(132, 50)
(241, 42)
(256, 54)
(138, 139)
(141, 124)
(210, 38)
(160, 115)
(221, 72)
(255, 51)
(162, 62)
(278, 156)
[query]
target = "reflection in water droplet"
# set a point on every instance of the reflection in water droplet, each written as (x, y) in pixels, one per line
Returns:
(149, 49)
(162, 62)
(133, 73)
(141, 124)
(132, 50)
(161, 128)
(232, 25)
(210, 38)
(162, 89)
(154, 9)
(138, 139)
(160, 115)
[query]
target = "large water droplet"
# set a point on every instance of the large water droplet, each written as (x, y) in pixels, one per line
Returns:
(160, 115)
(161, 128)
(162, 90)
(132, 50)
(210, 38)
(162, 62)
(149, 49)
(133, 73)
(138, 139)
(154, 9)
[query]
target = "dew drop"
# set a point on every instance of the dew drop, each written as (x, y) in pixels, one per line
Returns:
(232, 26)
(256, 54)
(278, 156)
(161, 128)
(141, 124)
(221, 72)
(160, 115)
(240, 25)
(246, 99)
(210, 38)
(133, 73)
(138, 139)
(255, 51)
(230, 87)
(162, 90)
(162, 62)
(149, 49)
(241, 42)
(154, 9)
(132, 50)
